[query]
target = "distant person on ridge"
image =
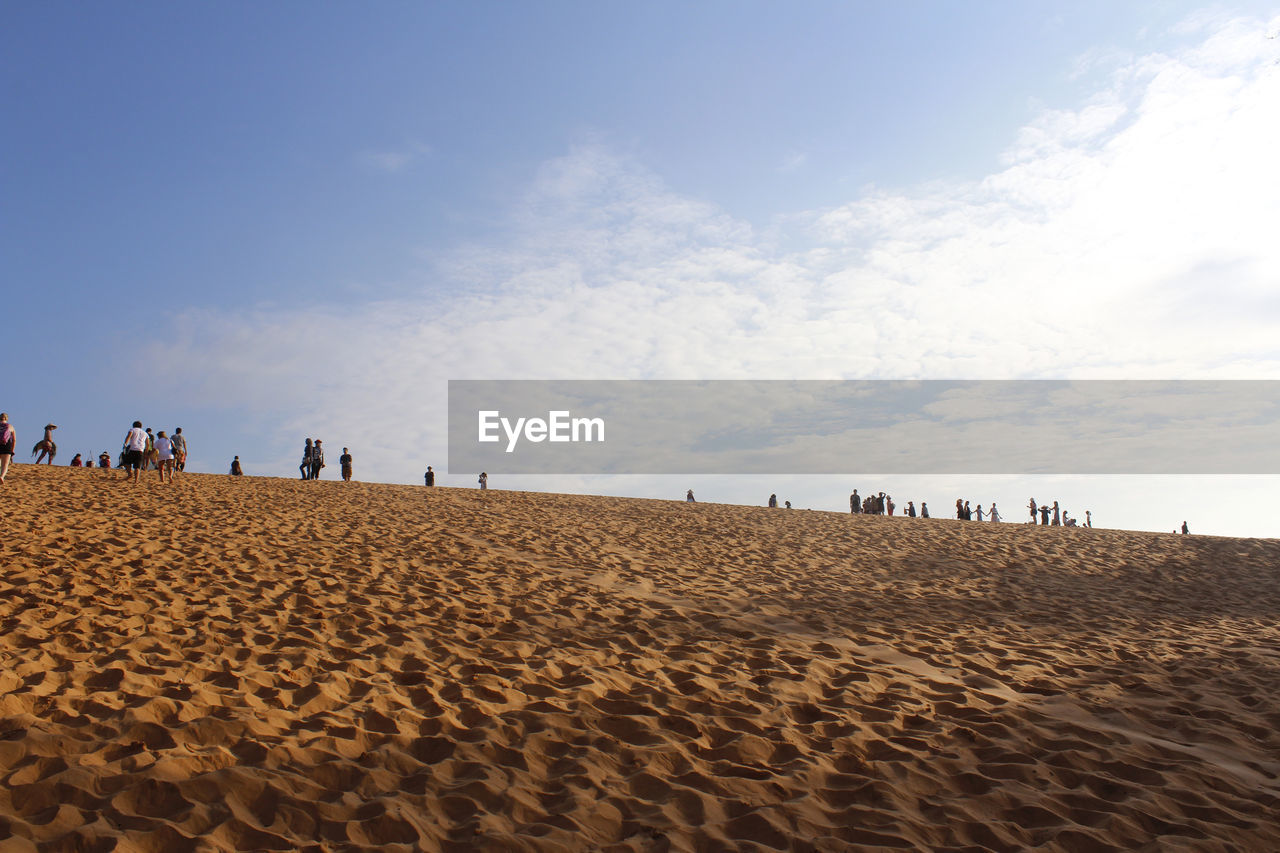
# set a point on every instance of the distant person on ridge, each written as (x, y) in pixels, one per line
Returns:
(1057, 519)
(1185, 529)
(8, 440)
(995, 514)
(104, 459)
(236, 470)
(688, 498)
(305, 467)
(345, 461)
(77, 461)
(484, 480)
(1044, 516)
(429, 477)
(46, 445)
(788, 504)
(1034, 510)
(979, 512)
(960, 509)
(317, 460)
(855, 503)
(911, 509)
(1088, 518)
(773, 501)
(924, 509)
(179, 449)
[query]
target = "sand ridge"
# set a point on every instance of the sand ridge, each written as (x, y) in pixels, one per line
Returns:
(257, 663)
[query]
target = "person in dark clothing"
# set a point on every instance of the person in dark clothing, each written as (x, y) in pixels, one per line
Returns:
(959, 509)
(1044, 515)
(236, 470)
(911, 509)
(924, 509)
(855, 503)
(345, 461)
(305, 467)
(317, 460)
(1185, 529)
(430, 476)
(773, 501)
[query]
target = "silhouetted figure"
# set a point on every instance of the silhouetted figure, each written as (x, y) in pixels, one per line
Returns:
(484, 481)
(1044, 516)
(236, 470)
(855, 503)
(1185, 529)
(959, 509)
(1088, 518)
(911, 509)
(688, 497)
(429, 477)
(345, 461)
(788, 504)
(924, 509)
(305, 467)
(773, 501)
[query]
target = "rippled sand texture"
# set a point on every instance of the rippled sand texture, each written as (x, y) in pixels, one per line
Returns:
(235, 664)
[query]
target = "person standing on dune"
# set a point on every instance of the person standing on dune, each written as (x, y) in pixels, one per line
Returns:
(484, 480)
(305, 467)
(430, 476)
(317, 460)
(1034, 509)
(345, 461)
(995, 514)
(8, 440)
(179, 449)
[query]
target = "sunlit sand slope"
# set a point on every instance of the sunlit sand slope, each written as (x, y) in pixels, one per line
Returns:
(250, 664)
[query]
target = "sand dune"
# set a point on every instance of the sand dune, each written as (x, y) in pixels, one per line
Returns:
(264, 664)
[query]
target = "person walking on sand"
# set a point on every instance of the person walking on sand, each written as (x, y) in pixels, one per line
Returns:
(345, 461)
(150, 458)
(995, 514)
(1057, 519)
(924, 509)
(8, 440)
(484, 480)
(317, 459)
(164, 456)
(179, 450)
(236, 470)
(135, 442)
(688, 497)
(429, 477)
(305, 467)
(855, 503)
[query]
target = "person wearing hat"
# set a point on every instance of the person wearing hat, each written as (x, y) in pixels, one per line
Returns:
(45, 445)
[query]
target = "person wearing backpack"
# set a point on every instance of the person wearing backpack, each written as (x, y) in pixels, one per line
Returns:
(8, 440)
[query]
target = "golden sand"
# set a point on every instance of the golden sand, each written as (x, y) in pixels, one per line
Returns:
(255, 663)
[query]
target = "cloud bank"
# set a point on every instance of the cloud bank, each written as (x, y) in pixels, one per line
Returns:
(1128, 237)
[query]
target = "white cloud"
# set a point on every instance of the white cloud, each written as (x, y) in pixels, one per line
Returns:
(1117, 240)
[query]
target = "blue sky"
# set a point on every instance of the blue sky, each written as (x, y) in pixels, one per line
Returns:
(268, 221)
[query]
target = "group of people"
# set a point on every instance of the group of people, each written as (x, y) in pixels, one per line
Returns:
(313, 461)
(882, 504)
(143, 450)
(1059, 516)
(965, 513)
